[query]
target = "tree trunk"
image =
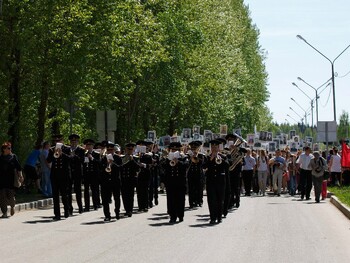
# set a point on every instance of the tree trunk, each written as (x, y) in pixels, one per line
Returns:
(14, 98)
(42, 109)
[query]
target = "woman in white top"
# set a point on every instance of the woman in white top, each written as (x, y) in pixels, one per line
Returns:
(262, 171)
(334, 167)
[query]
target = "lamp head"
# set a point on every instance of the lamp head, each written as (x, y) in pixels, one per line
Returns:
(301, 38)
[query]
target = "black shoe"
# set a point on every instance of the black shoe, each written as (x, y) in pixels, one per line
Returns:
(95, 207)
(80, 210)
(172, 221)
(237, 204)
(86, 210)
(156, 201)
(150, 205)
(145, 210)
(56, 218)
(212, 222)
(117, 217)
(129, 214)
(308, 198)
(70, 212)
(278, 194)
(302, 197)
(107, 219)
(66, 214)
(219, 221)
(181, 219)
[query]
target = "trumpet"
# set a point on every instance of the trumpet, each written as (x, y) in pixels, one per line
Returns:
(57, 154)
(58, 150)
(108, 169)
(218, 159)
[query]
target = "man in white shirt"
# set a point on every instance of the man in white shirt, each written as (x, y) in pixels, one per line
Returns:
(249, 163)
(305, 173)
(334, 167)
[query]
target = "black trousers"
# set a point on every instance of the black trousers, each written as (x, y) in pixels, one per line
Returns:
(305, 183)
(60, 184)
(176, 201)
(75, 184)
(153, 187)
(235, 183)
(195, 189)
(247, 176)
(109, 188)
(216, 196)
(127, 189)
(91, 181)
(142, 190)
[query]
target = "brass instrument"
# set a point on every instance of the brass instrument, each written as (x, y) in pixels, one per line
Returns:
(172, 163)
(108, 168)
(236, 153)
(58, 150)
(109, 157)
(218, 159)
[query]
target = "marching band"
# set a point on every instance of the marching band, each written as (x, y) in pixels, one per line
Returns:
(184, 169)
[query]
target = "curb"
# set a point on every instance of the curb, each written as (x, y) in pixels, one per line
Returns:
(37, 204)
(33, 205)
(343, 208)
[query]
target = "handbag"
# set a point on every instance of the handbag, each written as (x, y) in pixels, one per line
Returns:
(18, 179)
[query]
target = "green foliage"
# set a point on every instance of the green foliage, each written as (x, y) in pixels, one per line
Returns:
(161, 64)
(344, 126)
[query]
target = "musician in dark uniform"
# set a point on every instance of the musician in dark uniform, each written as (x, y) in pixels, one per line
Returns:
(76, 166)
(129, 171)
(154, 181)
(110, 181)
(216, 182)
(59, 158)
(143, 178)
(91, 175)
(223, 154)
(195, 175)
(175, 182)
(235, 163)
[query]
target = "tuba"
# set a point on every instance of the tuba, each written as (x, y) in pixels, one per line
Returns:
(237, 152)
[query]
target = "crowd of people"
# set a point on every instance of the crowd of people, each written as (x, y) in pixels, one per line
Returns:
(226, 172)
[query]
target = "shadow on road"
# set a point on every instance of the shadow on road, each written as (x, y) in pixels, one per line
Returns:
(44, 219)
(100, 222)
(204, 225)
(158, 218)
(163, 224)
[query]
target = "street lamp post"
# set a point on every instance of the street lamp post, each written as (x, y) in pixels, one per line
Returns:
(311, 102)
(300, 108)
(316, 91)
(292, 118)
(332, 64)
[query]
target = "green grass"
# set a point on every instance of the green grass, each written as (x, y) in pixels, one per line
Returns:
(342, 193)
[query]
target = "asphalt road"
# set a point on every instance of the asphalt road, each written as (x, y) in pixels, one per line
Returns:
(263, 229)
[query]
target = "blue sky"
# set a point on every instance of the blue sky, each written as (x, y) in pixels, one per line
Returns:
(324, 24)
